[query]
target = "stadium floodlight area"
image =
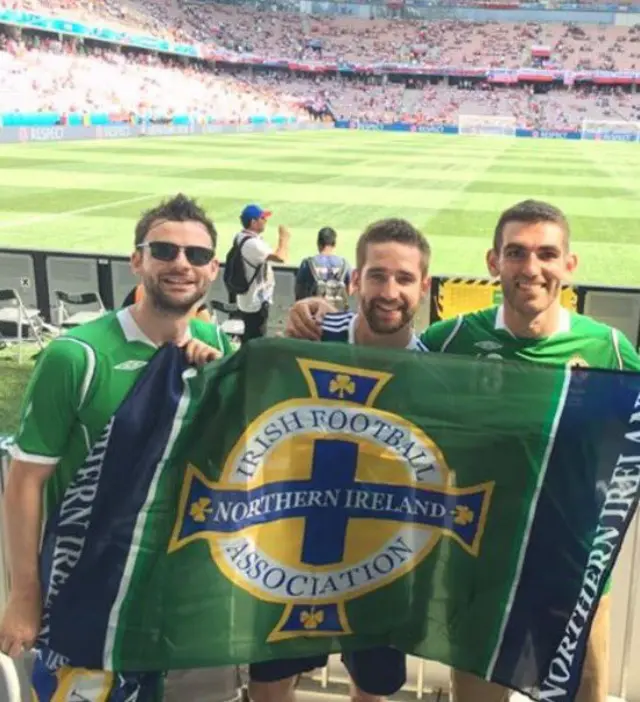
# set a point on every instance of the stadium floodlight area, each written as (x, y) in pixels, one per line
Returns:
(610, 130)
(487, 125)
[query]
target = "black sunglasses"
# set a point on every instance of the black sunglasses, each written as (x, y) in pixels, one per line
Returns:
(166, 251)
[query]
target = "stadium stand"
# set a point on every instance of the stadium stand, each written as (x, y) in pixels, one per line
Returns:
(269, 34)
(95, 78)
(102, 80)
(79, 79)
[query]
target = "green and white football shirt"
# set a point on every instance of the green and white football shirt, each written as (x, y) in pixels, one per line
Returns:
(79, 382)
(579, 341)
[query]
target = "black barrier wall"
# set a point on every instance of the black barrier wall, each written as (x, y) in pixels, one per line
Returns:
(37, 275)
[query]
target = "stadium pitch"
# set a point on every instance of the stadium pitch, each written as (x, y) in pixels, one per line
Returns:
(86, 196)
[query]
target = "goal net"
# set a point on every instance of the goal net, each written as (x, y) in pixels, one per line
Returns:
(610, 130)
(489, 125)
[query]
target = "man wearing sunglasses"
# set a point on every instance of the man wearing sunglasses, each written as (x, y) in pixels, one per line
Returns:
(79, 382)
(257, 256)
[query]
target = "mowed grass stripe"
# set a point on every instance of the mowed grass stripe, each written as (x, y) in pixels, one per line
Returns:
(340, 139)
(367, 174)
(110, 229)
(49, 201)
(113, 188)
(202, 147)
(226, 152)
(507, 162)
(309, 168)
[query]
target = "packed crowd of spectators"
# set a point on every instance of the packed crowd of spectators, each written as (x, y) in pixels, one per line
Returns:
(49, 75)
(436, 43)
(57, 76)
(277, 34)
(371, 100)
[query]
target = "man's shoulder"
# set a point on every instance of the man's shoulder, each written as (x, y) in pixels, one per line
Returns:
(585, 331)
(331, 260)
(441, 333)
(251, 242)
(79, 352)
(91, 332)
(583, 326)
(96, 337)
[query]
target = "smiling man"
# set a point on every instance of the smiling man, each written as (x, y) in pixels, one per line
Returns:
(390, 280)
(532, 259)
(78, 384)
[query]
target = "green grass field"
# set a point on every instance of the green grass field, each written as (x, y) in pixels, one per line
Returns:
(86, 196)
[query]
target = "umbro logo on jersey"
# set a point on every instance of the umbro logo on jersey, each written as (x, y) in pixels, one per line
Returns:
(488, 345)
(130, 365)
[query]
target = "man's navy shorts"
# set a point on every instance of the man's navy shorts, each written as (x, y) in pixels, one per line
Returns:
(377, 671)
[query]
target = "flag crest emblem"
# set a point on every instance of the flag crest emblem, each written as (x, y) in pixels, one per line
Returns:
(326, 498)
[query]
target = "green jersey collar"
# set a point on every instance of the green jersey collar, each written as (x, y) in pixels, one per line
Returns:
(132, 331)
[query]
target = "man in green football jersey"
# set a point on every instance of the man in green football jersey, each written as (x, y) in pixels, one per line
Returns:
(79, 382)
(531, 257)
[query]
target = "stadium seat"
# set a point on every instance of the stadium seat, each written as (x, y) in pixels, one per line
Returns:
(230, 323)
(67, 318)
(15, 316)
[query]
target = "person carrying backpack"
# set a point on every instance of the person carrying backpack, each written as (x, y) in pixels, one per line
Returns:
(325, 274)
(248, 275)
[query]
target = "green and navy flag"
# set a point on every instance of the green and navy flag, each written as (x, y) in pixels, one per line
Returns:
(332, 497)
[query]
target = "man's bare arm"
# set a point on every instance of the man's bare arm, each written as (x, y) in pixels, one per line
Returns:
(22, 528)
(281, 254)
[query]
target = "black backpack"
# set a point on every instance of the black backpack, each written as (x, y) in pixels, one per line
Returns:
(234, 275)
(330, 284)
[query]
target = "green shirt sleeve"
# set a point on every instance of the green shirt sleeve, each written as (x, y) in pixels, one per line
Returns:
(55, 392)
(627, 355)
(435, 336)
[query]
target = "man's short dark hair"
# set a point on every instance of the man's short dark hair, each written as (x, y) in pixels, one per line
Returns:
(530, 212)
(393, 230)
(326, 237)
(178, 209)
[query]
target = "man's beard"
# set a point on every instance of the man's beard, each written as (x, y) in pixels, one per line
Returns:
(379, 327)
(169, 305)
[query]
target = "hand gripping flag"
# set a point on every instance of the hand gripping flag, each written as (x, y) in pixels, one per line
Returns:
(331, 497)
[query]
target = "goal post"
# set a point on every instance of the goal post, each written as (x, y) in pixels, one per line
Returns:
(610, 130)
(487, 125)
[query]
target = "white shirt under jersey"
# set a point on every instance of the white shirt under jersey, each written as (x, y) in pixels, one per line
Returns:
(254, 256)
(341, 326)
